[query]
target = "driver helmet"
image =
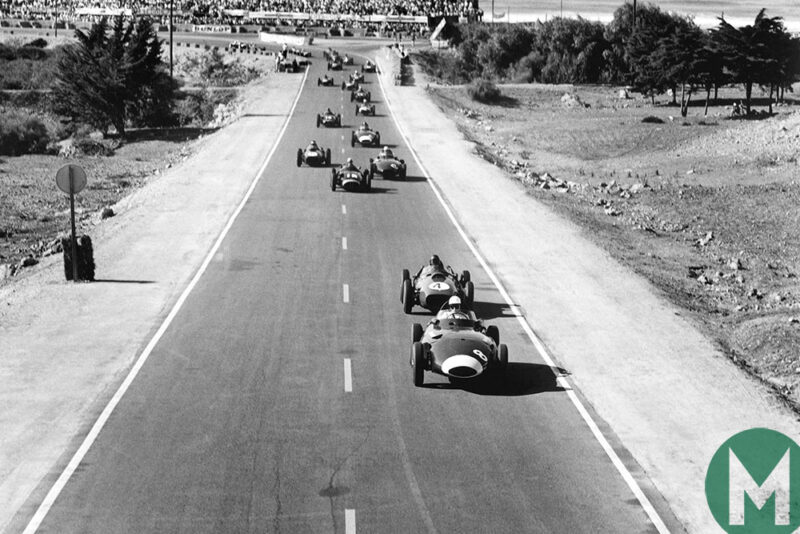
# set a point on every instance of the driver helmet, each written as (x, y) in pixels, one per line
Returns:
(386, 151)
(435, 261)
(349, 162)
(364, 125)
(454, 303)
(328, 111)
(313, 143)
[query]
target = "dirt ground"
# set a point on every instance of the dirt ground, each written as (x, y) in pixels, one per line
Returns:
(34, 213)
(707, 208)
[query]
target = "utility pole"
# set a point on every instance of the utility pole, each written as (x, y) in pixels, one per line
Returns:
(55, 26)
(634, 13)
(170, 38)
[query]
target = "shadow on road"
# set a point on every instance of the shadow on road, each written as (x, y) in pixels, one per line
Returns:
(491, 310)
(518, 379)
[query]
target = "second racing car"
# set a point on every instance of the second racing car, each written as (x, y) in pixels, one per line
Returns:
(433, 285)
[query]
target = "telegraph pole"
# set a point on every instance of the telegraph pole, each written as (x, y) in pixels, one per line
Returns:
(170, 38)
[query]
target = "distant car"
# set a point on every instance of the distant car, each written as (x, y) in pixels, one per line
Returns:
(300, 52)
(335, 63)
(314, 156)
(347, 60)
(365, 136)
(351, 179)
(360, 95)
(285, 65)
(365, 108)
(369, 66)
(388, 166)
(433, 285)
(329, 119)
(325, 81)
(329, 53)
(357, 76)
(349, 85)
(456, 344)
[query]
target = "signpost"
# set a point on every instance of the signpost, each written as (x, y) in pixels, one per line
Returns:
(71, 179)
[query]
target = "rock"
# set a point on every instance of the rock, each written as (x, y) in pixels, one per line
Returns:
(735, 264)
(612, 212)
(794, 320)
(622, 94)
(5, 271)
(703, 279)
(705, 240)
(107, 213)
(28, 262)
(571, 101)
(636, 188)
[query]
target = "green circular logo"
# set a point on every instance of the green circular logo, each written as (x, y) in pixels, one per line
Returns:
(753, 483)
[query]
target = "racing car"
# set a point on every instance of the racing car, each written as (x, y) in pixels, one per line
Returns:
(387, 165)
(433, 285)
(285, 65)
(357, 76)
(349, 85)
(365, 136)
(329, 119)
(456, 344)
(369, 66)
(326, 80)
(360, 95)
(351, 178)
(313, 155)
(347, 60)
(335, 63)
(365, 108)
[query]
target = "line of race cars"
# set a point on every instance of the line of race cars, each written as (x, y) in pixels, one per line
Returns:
(350, 177)
(454, 343)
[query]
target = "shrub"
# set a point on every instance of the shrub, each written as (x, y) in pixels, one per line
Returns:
(21, 133)
(653, 120)
(197, 108)
(483, 91)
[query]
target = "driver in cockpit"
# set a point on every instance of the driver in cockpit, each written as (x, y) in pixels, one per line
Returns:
(349, 165)
(364, 126)
(386, 153)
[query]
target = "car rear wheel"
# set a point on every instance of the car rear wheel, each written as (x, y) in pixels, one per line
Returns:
(378, 138)
(333, 180)
(494, 333)
(406, 276)
(369, 182)
(327, 156)
(318, 121)
(416, 332)
(465, 277)
(418, 363)
(299, 156)
(502, 356)
(356, 110)
(353, 139)
(408, 297)
(470, 290)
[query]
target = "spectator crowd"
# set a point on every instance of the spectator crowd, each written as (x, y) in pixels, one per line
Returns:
(216, 11)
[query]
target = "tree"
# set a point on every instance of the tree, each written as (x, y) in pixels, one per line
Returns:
(115, 77)
(751, 54)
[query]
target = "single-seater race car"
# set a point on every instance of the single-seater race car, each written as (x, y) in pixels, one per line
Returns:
(347, 60)
(326, 81)
(357, 76)
(433, 285)
(387, 165)
(365, 108)
(349, 85)
(329, 119)
(351, 178)
(365, 136)
(314, 155)
(369, 66)
(286, 65)
(456, 344)
(335, 63)
(360, 95)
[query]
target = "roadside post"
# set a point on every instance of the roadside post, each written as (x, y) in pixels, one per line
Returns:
(71, 179)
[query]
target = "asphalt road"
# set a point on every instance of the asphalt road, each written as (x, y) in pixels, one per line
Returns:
(240, 420)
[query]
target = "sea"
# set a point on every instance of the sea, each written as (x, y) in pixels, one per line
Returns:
(704, 12)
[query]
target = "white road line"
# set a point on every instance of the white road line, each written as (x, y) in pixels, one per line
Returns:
(349, 521)
(90, 438)
(344, 243)
(344, 209)
(348, 376)
(648, 507)
(346, 293)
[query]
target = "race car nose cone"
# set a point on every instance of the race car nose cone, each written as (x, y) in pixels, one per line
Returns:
(462, 366)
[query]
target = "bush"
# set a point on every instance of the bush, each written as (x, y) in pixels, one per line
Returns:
(21, 133)
(197, 108)
(653, 120)
(483, 91)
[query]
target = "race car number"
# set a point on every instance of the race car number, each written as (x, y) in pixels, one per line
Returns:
(439, 286)
(480, 355)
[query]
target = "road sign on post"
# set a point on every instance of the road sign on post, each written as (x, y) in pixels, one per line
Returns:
(71, 179)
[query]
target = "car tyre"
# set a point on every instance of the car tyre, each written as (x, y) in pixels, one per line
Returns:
(470, 290)
(353, 139)
(377, 138)
(369, 97)
(465, 277)
(319, 120)
(299, 156)
(333, 179)
(502, 356)
(406, 276)
(418, 363)
(416, 332)
(356, 109)
(494, 333)
(408, 297)
(327, 156)
(338, 120)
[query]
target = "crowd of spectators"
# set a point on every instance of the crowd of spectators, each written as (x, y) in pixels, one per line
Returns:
(214, 11)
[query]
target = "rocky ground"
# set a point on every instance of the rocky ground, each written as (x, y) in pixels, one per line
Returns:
(704, 207)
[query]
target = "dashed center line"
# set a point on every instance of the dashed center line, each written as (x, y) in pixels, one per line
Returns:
(344, 209)
(348, 376)
(344, 243)
(350, 521)
(346, 292)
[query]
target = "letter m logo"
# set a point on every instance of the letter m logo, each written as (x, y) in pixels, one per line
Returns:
(741, 484)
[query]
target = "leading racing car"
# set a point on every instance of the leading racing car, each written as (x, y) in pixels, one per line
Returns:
(387, 165)
(351, 178)
(456, 344)
(365, 136)
(433, 285)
